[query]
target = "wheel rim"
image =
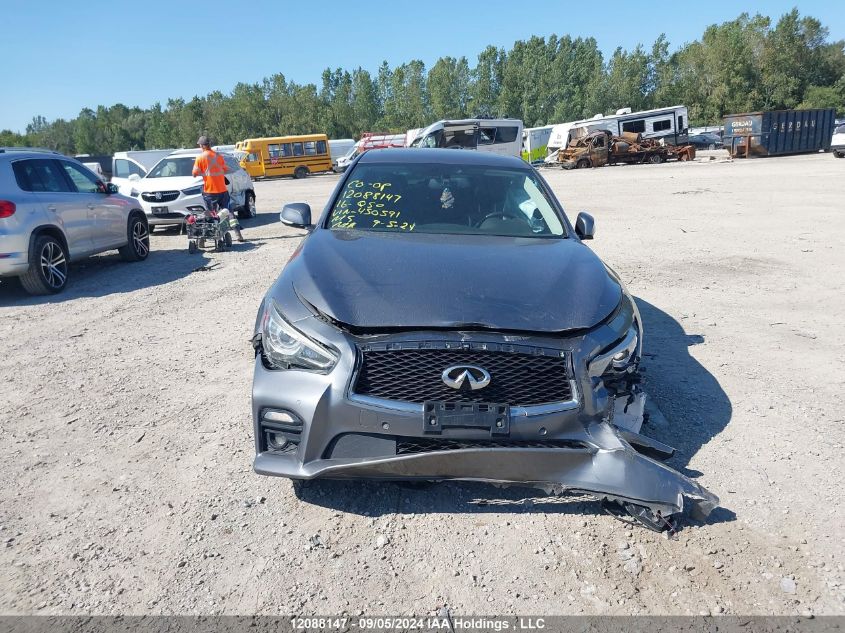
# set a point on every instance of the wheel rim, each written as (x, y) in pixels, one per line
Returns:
(251, 205)
(53, 265)
(141, 239)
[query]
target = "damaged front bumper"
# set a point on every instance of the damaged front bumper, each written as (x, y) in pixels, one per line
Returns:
(602, 463)
(312, 425)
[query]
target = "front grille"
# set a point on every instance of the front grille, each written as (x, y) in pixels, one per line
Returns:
(415, 375)
(412, 446)
(170, 215)
(166, 196)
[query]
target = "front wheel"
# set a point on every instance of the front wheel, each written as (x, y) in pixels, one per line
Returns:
(138, 245)
(655, 159)
(300, 172)
(582, 164)
(839, 154)
(48, 267)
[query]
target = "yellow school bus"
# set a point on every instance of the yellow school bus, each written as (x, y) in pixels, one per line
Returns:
(295, 156)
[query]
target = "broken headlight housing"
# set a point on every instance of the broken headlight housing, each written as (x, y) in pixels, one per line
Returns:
(621, 357)
(285, 347)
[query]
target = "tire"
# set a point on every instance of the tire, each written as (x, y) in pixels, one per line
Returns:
(192, 247)
(839, 154)
(711, 147)
(582, 164)
(655, 159)
(300, 172)
(48, 267)
(138, 247)
(248, 210)
(227, 240)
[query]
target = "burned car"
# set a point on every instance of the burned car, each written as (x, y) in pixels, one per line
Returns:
(445, 320)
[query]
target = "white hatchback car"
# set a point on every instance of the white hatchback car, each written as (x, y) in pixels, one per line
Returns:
(169, 193)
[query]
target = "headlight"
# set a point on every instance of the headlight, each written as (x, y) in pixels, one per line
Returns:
(287, 348)
(620, 357)
(193, 191)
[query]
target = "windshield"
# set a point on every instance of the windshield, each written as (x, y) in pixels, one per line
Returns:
(839, 130)
(167, 167)
(436, 198)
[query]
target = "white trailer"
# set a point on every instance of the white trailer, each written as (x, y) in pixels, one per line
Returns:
(535, 141)
(671, 124)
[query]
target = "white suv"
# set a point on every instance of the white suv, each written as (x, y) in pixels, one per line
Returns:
(837, 143)
(169, 193)
(53, 210)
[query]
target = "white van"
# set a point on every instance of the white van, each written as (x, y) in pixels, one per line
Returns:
(499, 136)
(125, 164)
(339, 147)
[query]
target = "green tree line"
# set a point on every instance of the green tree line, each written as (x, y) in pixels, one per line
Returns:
(743, 65)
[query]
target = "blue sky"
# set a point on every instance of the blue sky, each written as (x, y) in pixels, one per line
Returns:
(59, 56)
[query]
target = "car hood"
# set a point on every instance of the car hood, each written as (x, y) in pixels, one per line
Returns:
(370, 280)
(170, 183)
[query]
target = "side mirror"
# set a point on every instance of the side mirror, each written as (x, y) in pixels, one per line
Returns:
(112, 188)
(134, 178)
(296, 214)
(585, 226)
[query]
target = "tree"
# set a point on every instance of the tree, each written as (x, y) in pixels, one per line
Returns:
(486, 82)
(448, 88)
(366, 109)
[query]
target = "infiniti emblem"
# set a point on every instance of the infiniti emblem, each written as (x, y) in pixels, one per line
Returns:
(456, 375)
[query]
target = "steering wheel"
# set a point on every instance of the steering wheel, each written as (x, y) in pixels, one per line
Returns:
(500, 214)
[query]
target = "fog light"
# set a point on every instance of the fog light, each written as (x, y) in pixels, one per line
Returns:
(281, 429)
(278, 441)
(283, 417)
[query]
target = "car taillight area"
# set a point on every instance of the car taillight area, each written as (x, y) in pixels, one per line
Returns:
(7, 208)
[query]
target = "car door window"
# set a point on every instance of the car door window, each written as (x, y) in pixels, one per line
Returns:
(84, 181)
(40, 175)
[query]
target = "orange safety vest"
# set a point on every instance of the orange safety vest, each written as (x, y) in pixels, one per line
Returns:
(211, 166)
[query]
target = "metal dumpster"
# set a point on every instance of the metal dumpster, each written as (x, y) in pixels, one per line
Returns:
(778, 132)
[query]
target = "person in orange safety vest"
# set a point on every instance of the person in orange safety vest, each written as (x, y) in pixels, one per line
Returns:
(213, 169)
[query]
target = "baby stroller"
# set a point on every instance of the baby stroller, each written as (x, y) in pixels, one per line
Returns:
(209, 226)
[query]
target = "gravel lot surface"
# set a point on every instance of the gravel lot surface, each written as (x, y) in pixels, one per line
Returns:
(126, 441)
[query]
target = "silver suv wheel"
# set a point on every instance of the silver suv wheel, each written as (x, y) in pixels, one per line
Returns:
(48, 267)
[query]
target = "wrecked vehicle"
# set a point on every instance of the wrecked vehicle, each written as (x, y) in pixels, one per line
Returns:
(445, 320)
(602, 148)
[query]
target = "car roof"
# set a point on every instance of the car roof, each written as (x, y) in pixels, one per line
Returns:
(30, 152)
(443, 156)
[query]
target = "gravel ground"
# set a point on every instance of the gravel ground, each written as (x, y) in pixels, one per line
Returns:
(126, 440)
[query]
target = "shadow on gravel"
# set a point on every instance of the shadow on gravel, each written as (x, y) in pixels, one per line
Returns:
(108, 274)
(688, 395)
(262, 218)
(374, 498)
